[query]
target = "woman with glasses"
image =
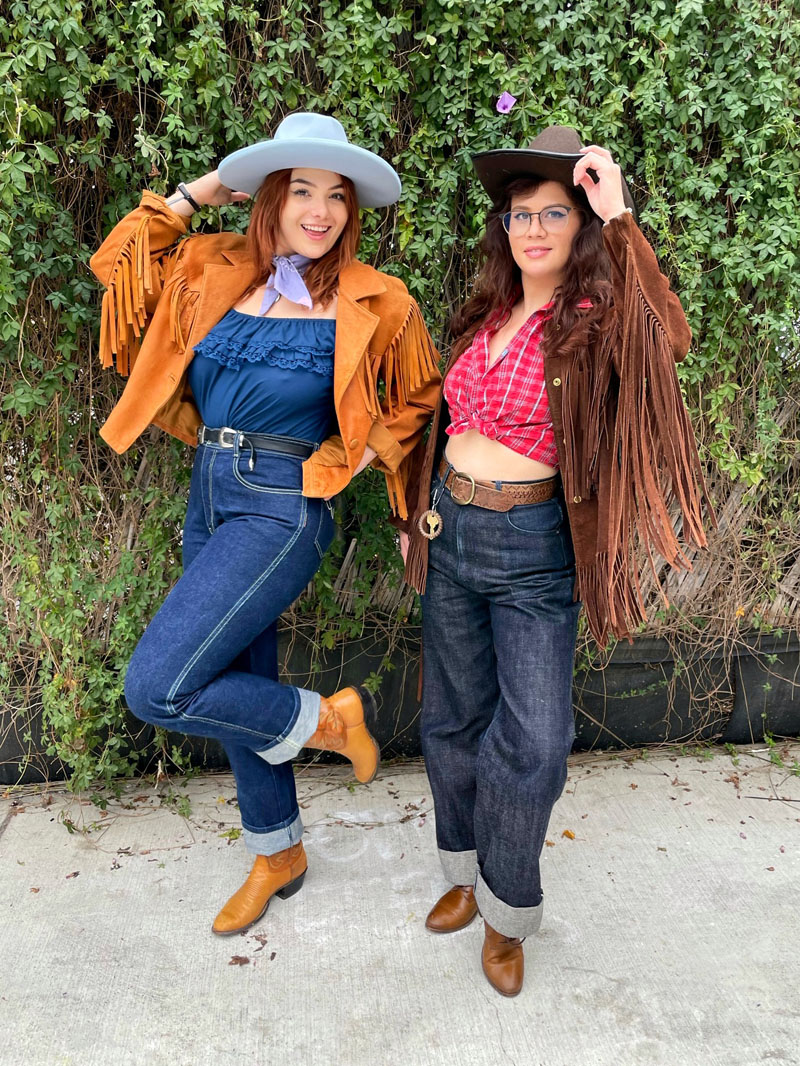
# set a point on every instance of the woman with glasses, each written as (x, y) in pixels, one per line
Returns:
(559, 443)
(267, 352)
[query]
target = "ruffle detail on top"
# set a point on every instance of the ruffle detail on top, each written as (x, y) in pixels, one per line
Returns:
(289, 343)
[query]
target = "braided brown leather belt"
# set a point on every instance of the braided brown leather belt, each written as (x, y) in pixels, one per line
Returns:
(465, 489)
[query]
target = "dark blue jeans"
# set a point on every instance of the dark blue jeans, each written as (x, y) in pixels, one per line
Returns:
(499, 628)
(207, 664)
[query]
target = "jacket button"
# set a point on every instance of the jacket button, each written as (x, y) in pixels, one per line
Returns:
(556, 381)
(354, 442)
(576, 499)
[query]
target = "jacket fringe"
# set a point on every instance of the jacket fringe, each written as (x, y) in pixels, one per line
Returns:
(178, 297)
(654, 461)
(409, 362)
(124, 314)
(367, 378)
(416, 568)
(395, 489)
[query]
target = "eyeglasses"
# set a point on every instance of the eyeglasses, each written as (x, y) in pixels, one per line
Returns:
(552, 219)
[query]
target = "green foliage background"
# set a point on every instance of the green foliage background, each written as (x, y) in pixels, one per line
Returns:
(699, 101)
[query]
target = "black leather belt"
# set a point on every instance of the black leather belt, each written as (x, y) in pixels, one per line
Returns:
(228, 438)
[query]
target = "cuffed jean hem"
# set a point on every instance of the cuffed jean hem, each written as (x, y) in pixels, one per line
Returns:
(459, 867)
(304, 725)
(509, 921)
(274, 840)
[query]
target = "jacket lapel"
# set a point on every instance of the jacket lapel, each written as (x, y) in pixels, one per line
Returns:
(355, 324)
(224, 284)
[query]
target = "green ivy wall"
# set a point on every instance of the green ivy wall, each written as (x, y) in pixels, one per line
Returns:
(700, 101)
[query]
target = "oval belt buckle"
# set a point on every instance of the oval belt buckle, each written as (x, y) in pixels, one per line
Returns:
(455, 499)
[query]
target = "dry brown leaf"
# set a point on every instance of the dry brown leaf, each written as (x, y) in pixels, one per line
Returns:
(550, 843)
(568, 834)
(73, 874)
(239, 960)
(36, 890)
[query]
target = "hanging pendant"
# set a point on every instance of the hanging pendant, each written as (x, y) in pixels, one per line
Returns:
(430, 524)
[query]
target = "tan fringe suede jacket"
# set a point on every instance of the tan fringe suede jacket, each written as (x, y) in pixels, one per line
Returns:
(625, 444)
(164, 294)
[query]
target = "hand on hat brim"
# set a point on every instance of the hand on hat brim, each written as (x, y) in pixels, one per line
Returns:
(209, 190)
(224, 195)
(604, 191)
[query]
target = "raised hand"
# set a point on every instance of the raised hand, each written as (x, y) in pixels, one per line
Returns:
(206, 190)
(605, 194)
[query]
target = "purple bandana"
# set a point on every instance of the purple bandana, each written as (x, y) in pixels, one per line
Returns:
(287, 281)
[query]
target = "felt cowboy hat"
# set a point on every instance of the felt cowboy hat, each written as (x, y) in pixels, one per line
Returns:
(550, 156)
(307, 140)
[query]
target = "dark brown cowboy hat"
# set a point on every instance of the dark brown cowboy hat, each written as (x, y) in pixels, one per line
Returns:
(551, 156)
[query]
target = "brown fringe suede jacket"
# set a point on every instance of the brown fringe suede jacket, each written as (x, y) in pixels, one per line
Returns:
(164, 294)
(625, 443)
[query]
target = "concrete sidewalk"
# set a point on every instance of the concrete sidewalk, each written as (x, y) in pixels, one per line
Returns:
(670, 933)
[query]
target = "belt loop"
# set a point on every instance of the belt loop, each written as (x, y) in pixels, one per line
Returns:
(448, 467)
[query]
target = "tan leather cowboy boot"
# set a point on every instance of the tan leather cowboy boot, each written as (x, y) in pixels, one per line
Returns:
(503, 962)
(281, 874)
(455, 910)
(343, 727)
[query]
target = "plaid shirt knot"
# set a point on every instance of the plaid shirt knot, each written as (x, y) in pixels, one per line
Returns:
(507, 400)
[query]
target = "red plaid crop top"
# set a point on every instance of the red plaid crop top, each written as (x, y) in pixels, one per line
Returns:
(506, 401)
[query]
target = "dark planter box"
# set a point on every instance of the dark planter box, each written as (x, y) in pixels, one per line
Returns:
(767, 686)
(23, 761)
(647, 694)
(650, 693)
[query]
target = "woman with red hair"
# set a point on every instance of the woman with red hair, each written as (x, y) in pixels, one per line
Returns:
(266, 352)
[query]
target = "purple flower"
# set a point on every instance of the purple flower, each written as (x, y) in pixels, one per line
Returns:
(505, 103)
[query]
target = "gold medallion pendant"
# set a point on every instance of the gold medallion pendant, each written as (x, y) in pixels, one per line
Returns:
(430, 524)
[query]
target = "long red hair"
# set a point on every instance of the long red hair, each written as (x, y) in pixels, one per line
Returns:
(322, 275)
(499, 284)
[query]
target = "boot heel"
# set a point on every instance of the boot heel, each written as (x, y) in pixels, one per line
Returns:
(292, 887)
(369, 705)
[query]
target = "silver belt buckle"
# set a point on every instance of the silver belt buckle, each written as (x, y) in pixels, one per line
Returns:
(454, 498)
(223, 443)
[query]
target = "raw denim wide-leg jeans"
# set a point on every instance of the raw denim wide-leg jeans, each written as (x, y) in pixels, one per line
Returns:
(499, 629)
(207, 664)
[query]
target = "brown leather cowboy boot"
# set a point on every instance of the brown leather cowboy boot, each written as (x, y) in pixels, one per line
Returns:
(343, 727)
(455, 910)
(503, 962)
(281, 874)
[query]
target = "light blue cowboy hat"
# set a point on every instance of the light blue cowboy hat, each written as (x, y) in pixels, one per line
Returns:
(307, 140)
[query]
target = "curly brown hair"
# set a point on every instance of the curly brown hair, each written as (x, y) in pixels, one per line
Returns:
(499, 283)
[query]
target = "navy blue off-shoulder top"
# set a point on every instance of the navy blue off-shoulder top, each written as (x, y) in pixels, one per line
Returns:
(266, 375)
